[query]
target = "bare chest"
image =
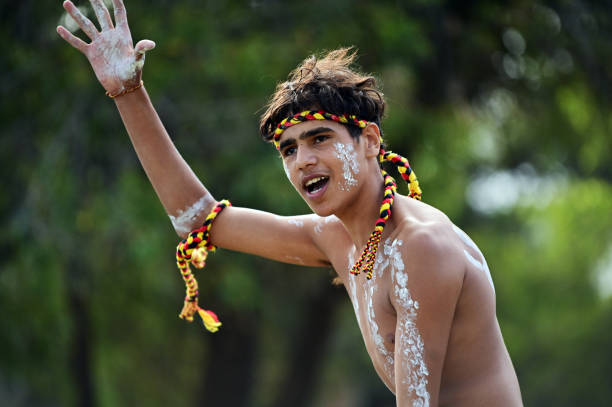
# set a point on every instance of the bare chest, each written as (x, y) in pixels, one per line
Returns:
(373, 310)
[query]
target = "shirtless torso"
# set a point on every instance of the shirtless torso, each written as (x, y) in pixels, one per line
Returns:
(427, 316)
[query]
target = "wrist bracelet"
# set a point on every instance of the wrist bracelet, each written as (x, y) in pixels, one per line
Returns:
(125, 91)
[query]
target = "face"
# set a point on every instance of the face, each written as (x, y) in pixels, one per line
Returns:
(323, 162)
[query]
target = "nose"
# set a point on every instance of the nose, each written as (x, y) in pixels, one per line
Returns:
(306, 157)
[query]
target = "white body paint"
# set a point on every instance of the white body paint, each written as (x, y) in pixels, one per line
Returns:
(480, 265)
(296, 222)
(117, 63)
(330, 218)
(350, 166)
(184, 220)
(353, 288)
(318, 229)
(371, 288)
(413, 369)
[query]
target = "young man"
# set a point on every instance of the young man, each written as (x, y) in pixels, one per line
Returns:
(425, 301)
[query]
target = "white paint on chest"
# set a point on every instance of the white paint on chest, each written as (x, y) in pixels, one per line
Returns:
(350, 166)
(185, 220)
(478, 264)
(411, 364)
(353, 287)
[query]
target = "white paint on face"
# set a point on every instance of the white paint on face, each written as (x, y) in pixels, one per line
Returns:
(412, 365)
(286, 170)
(184, 221)
(350, 166)
(296, 222)
(481, 265)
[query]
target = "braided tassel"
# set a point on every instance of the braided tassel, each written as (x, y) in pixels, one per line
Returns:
(368, 256)
(195, 249)
(403, 166)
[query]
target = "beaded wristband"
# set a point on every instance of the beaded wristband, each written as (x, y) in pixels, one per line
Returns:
(125, 91)
(195, 249)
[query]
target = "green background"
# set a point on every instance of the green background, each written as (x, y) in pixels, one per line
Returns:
(503, 109)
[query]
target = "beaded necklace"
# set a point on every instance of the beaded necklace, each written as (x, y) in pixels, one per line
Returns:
(368, 255)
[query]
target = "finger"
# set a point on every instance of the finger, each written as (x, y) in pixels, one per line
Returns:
(87, 26)
(120, 13)
(142, 47)
(71, 39)
(101, 11)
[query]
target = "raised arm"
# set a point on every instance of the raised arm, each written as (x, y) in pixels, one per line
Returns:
(118, 66)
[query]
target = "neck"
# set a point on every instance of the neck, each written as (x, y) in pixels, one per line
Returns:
(359, 217)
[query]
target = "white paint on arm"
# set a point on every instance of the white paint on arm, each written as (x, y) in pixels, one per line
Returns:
(185, 220)
(296, 222)
(481, 265)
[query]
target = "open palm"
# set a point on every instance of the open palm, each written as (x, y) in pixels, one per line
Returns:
(115, 61)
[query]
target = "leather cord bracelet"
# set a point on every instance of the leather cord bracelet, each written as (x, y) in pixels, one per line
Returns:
(125, 91)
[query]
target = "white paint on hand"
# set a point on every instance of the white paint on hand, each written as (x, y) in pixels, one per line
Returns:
(350, 166)
(185, 221)
(118, 56)
(481, 265)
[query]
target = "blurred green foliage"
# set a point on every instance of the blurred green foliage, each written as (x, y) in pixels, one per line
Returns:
(502, 107)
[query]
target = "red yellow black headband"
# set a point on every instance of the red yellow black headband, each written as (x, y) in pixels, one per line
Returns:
(314, 115)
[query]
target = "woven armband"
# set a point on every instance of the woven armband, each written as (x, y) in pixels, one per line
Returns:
(194, 249)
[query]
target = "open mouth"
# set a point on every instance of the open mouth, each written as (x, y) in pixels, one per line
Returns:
(316, 184)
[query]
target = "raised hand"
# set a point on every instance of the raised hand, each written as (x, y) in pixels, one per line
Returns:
(114, 59)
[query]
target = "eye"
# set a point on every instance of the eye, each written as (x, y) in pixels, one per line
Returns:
(288, 151)
(320, 138)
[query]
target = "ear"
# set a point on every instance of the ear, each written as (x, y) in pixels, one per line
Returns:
(371, 136)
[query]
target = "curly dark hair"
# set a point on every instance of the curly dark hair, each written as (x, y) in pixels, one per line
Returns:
(325, 83)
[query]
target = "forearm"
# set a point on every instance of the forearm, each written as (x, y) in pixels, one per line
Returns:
(176, 185)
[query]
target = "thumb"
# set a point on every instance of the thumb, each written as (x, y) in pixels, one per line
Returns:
(142, 47)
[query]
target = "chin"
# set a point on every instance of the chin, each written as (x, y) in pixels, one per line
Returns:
(320, 210)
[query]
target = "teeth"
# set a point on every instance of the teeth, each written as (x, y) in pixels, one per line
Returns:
(312, 181)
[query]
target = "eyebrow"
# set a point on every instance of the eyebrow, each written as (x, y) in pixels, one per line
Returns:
(305, 135)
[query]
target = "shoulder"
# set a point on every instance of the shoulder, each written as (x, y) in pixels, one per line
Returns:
(431, 250)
